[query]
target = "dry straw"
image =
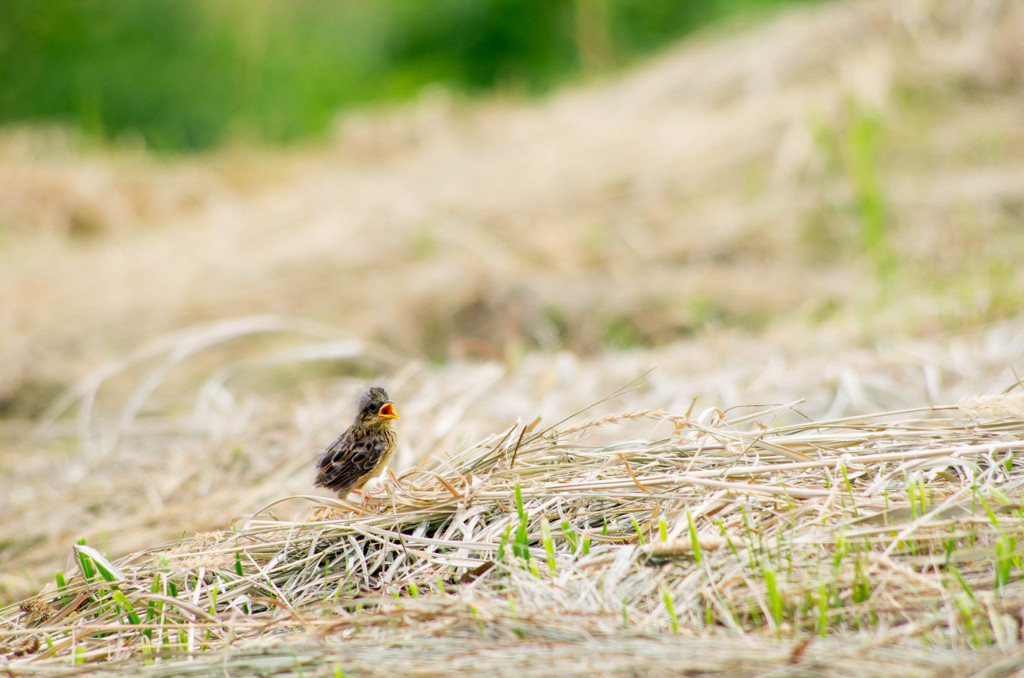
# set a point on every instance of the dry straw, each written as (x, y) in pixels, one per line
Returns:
(859, 546)
(887, 544)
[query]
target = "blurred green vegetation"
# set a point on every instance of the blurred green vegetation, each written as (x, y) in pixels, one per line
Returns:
(192, 74)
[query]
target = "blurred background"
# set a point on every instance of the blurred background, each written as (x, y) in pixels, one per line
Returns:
(187, 75)
(218, 219)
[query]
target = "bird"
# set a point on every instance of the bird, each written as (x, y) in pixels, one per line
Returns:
(364, 449)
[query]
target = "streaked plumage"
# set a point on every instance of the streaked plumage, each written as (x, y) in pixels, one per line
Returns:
(364, 449)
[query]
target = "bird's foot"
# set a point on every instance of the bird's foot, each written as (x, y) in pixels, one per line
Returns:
(372, 489)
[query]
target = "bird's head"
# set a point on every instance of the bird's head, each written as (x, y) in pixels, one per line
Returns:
(376, 407)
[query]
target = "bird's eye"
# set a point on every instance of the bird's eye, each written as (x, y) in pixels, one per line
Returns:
(388, 411)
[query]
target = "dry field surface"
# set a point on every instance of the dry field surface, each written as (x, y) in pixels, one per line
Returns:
(706, 368)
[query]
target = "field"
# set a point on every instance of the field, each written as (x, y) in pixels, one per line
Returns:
(709, 367)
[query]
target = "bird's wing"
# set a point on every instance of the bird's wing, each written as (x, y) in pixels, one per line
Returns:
(348, 459)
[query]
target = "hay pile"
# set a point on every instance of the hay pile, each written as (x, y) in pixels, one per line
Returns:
(708, 210)
(699, 544)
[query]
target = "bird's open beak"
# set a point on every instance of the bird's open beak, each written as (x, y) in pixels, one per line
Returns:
(388, 411)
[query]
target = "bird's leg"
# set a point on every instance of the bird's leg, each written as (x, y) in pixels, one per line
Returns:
(364, 494)
(374, 483)
(362, 497)
(374, 488)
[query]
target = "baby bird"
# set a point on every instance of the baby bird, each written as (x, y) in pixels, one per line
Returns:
(364, 449)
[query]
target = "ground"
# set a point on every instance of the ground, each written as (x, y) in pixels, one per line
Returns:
(808, 219)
